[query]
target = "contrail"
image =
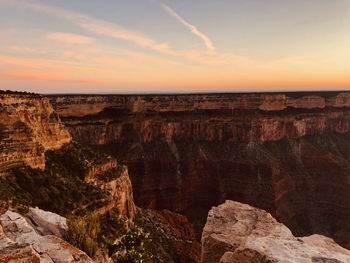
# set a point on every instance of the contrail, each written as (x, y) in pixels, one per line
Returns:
(208, 43)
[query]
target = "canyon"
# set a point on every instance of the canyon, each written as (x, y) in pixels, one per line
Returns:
(286, 153)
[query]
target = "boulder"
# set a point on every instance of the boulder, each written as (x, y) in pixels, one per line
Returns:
(239, 233)
(19, 242)
(47, 223)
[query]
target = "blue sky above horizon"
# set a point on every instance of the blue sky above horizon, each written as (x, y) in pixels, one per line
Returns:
(116, 46)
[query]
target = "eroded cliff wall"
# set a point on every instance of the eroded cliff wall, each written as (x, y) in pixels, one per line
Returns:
(32, 135)
(28, 128)
(286, 153)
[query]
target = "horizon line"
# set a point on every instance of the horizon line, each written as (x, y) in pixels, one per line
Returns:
(209, 92)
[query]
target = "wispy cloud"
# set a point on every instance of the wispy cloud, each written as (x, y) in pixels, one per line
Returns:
(96, 26)
(22, 49)
(45, 75)
(207, 41)
(69, 38)
(36, 63)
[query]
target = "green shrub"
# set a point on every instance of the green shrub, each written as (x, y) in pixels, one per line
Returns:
(61, 181)
(83, 233)
(111, 174)
(92, 232)
(130, 248)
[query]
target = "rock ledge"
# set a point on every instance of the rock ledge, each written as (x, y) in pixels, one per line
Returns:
(20, 241)
(239, 233)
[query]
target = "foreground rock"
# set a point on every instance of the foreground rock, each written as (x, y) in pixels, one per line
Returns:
(47, 223)
(20, 242)
(239, 233)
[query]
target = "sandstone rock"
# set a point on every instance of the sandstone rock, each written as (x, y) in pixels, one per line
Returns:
(47, 223)
(28, 127)
(119, 188)
(239, 233)
(19, 242)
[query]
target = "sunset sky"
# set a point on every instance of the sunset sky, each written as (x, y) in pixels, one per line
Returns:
(111, 46)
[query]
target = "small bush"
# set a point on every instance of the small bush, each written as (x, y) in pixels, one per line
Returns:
(83, 233)
(130, 248)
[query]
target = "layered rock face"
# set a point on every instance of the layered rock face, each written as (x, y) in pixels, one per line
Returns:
(23, 240)
(285, 153)
(119, 188)
(28, 128)
(239, 233)
(31, 134)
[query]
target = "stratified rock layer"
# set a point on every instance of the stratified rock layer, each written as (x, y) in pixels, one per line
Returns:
(285, 153)
(119, 188)
(239, 233)
(20, 242)
(28, 128)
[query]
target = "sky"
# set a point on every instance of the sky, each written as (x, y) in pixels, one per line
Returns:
(122, 46)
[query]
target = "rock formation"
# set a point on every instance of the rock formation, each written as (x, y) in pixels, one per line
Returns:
(23, 241)
(32, 135)
(285, 153)
(119, 188)
(239, 233)
(47, 223)
(28, 128)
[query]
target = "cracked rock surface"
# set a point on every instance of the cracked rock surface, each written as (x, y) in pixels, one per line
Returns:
(21, 242)
(239, 233)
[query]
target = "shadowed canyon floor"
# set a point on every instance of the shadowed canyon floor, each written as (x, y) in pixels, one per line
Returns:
(286, 153)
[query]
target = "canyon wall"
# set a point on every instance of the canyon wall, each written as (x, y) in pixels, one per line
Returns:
(32, 134)
(28, 128)
(285, 153)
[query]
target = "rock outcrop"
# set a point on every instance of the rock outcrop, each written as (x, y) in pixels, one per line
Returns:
(287, 153)
(47, 223)
(31, 134)
(20, 241)
(28, 128)
(239, 233)
(115, 180)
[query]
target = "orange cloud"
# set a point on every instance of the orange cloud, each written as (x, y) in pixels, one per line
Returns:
(69, 38)
(44, 75)
(19, 49)
(96, 26)
(46, 64)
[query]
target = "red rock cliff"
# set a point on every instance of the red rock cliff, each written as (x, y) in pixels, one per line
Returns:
(286, 153)
(28, 128)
